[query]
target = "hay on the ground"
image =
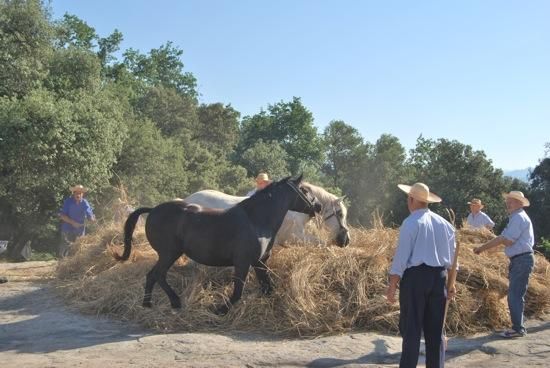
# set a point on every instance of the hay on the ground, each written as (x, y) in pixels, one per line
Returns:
(318, 290)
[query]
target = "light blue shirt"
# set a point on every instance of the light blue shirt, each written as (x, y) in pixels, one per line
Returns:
(424, 237)
(479, 220)
(520, 231)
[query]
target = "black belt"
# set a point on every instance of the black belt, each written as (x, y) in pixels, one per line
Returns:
(521, 254)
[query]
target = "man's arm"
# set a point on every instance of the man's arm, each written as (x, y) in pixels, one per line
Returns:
(392, 287)
(89, 212)
(70, 221)
(493, 243)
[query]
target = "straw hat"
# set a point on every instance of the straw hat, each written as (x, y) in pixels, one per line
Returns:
(78, 188)
(420, 191)
(516, 194)
(476, 202)
(262, 177)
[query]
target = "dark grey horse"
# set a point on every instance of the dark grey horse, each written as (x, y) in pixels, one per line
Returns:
(241, 236)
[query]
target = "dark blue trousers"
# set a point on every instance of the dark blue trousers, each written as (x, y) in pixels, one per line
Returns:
(422, 298)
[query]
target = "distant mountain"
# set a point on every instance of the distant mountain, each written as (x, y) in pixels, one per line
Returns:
(522, 174)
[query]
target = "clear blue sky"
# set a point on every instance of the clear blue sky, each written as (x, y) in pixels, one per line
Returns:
(475, 71)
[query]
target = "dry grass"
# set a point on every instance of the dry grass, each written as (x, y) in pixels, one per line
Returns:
(318, 290)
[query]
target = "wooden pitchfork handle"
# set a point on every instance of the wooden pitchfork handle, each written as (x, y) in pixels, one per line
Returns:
(451, 281)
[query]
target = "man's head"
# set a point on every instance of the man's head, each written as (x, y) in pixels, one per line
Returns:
(78, 192)
(419, 196)
(475, 205)
(262, 181)
(515, 200)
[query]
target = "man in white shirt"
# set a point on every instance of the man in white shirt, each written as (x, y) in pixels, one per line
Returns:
(478, 219)
(518, 240)
(424, 253)
(262, 181)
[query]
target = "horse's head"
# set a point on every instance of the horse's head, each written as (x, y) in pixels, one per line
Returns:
(305, 202)
(334, 216)
(312, 208)
(288, 195)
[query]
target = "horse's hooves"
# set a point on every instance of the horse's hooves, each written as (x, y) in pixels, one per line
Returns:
(266, 290)
(147, 305)
(176, 307)
(221, 310)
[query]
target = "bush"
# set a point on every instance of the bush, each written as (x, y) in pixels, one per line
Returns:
(544, 247)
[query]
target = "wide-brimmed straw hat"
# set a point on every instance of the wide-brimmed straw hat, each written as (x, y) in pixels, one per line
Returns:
(476, 202)
(516, 194)
(421, 192)
(78, 188)
(262, 177)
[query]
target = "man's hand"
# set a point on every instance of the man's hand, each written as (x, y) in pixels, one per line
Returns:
(451, 293)
(390, 294)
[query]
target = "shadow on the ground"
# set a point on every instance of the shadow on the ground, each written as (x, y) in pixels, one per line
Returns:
(457, 347)
(40, 323)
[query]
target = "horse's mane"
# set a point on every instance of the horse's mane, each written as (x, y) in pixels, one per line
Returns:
(320, 193)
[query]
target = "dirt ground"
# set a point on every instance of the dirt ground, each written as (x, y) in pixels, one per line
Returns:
(38, 330)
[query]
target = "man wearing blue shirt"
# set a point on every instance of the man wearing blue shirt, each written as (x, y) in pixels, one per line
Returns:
(424, 252)
(478, 219)
(518, 239)
(73, 215)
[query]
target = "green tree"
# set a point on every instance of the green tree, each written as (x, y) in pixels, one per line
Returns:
(162, 67)
(25, 36)
(344, 147)
(458, 173)
(291, 125)
(73, 69)
(218, 127)
(72, 31)
(174, 114)
(267, 157)
(150, 166)
(372, 185)
(47, 144)
(539, 196)
(107, 46)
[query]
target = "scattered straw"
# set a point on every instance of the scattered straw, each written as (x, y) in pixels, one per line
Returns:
(318, 290)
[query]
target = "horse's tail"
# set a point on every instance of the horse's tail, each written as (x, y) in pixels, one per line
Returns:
(129, 227)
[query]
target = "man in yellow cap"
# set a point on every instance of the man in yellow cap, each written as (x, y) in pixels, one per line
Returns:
(518, 239)
(424, 253)
(73, 214)
(262, 181)
(478, 219)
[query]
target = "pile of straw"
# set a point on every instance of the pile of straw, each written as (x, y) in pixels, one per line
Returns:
(318, 290)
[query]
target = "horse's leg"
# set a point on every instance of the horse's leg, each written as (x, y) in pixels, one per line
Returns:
(149, 284)
(158, 274)
(239, 278)
(163, 265)
(263, 276)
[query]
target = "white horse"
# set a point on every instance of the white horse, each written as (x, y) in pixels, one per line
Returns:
(333, 215)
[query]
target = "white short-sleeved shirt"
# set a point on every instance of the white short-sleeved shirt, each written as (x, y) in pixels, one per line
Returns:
(520, 231)
(479, 220)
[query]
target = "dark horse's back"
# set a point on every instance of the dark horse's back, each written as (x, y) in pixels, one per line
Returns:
(179, 227)
(241, 236)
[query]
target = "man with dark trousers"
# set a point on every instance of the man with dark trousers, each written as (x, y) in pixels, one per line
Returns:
(424, 252)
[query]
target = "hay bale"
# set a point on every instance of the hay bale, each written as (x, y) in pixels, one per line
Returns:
(318, 290)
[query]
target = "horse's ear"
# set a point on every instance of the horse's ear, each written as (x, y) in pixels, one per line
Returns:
(298, 180)
(341, 199)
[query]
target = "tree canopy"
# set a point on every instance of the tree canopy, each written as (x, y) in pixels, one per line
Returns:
(71, 111)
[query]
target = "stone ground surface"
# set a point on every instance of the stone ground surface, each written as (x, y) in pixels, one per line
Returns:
(38, 330)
